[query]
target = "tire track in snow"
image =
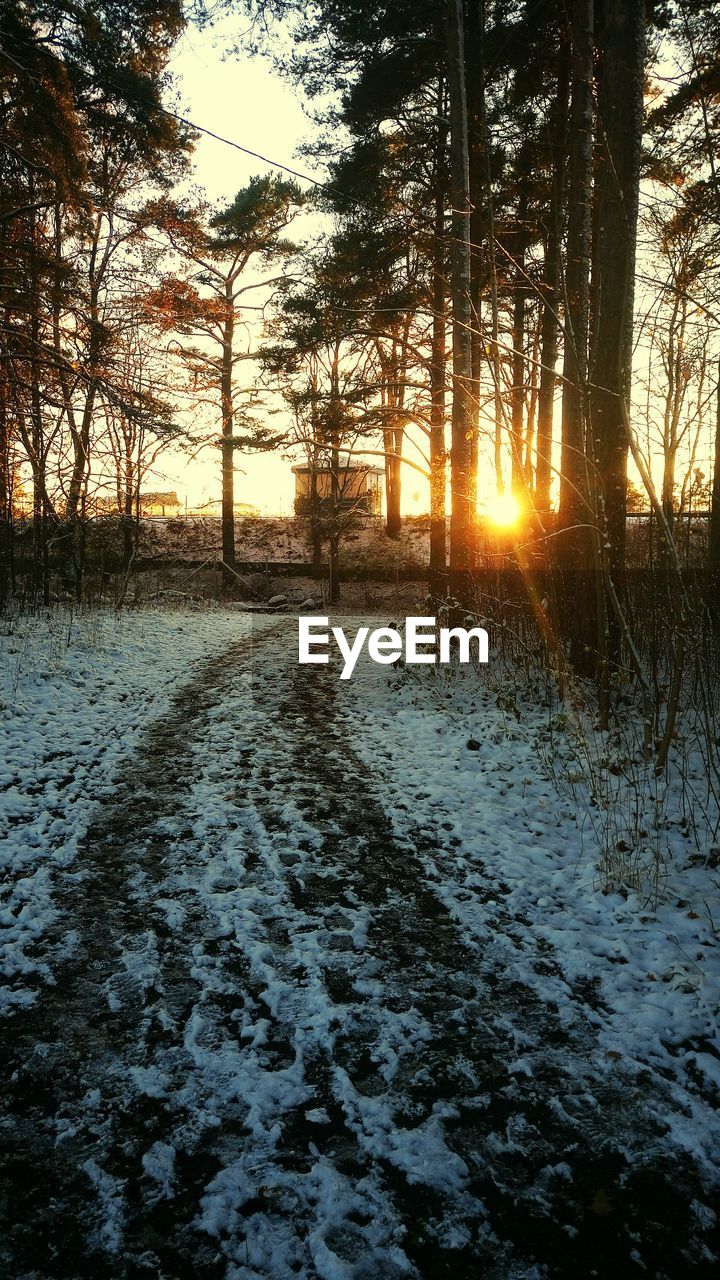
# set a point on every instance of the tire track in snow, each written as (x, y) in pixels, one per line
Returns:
(126, 988)
(538, 1141)
(272, 1054)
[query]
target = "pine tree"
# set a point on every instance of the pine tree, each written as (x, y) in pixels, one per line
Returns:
(209, 303)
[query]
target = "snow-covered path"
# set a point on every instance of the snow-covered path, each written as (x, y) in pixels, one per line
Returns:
(278, 1047)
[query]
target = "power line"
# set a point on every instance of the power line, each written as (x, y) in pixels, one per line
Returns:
(257, 155)
(330, 188)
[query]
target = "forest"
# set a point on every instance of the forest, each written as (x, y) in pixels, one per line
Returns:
(486, 285)
(508, 286)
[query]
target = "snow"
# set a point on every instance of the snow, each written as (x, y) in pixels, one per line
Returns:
(75, 693)
(363, 978)
(657, 971)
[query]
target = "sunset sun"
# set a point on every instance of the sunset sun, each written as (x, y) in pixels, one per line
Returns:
(504, 510)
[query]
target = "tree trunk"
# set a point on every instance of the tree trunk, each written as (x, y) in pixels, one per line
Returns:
(551, 282)
(316, 533)
(316, 521)
(461, 523)
(5, 489)
(714, 538)
(40, 508)
(228, 484)
(484, 221)
(621, 82)
(334, 584)
(578, 544)
(335, 436)
(668, 486)
(573, 488)
(438, 459)
(393, 519)
(128, 505)
(81, 445)
(477, 176)
(531, 420)
(81, 435)
(398, 386)
(6, 467)
(517, 411)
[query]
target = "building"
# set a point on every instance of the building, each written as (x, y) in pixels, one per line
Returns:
(159, 504)
(213, 507)
(359, 487)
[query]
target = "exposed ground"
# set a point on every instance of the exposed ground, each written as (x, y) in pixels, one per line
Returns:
(292, 1019)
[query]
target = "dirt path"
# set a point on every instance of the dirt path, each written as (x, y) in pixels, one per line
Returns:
(269, 1052)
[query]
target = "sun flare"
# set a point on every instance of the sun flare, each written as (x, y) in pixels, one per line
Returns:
(504, 510)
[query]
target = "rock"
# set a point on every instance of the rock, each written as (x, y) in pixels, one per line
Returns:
(277, 600)
(308, 604)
